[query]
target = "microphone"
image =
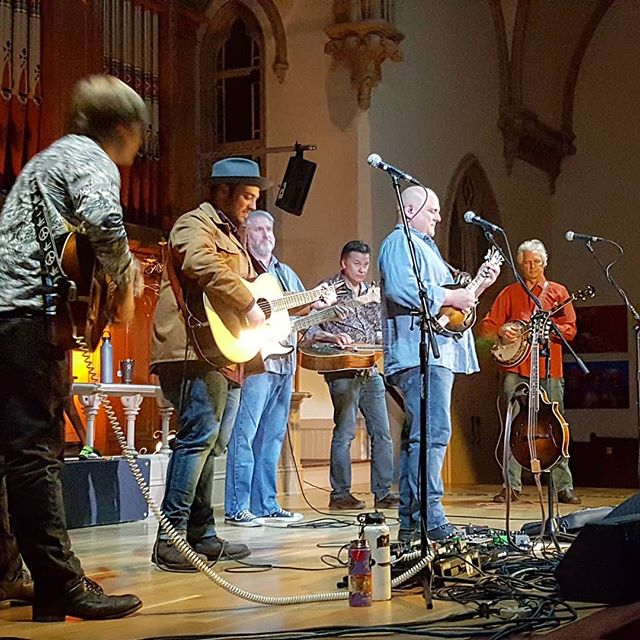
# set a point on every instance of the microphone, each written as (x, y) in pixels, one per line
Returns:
(376, 161)
(571, 236)
(472, 218)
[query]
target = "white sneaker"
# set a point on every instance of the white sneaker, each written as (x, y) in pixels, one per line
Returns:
(280, 518)
(243, 518)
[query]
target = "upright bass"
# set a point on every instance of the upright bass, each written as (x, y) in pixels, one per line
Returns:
(539, 436)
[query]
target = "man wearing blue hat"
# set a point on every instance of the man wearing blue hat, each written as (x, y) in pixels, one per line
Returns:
(204, 255)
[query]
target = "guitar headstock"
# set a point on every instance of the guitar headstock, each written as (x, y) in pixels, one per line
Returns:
(583, 294)
(371, 295)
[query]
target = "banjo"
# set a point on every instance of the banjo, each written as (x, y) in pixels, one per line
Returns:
(511, 354)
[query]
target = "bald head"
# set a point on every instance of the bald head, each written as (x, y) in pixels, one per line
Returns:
(422, 208)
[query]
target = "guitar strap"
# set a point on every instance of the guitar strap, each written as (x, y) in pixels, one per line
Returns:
(176, 287)
(54, 280)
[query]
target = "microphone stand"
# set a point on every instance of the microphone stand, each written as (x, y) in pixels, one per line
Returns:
(427, 343)
(636, 327)
(551, 523)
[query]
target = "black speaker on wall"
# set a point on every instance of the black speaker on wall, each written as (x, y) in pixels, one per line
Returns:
(601, 565)
(296, 183)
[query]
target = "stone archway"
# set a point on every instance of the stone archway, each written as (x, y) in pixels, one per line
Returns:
(470, 457)
(469, 190)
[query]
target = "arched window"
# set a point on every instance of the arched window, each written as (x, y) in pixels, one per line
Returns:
(232, 87)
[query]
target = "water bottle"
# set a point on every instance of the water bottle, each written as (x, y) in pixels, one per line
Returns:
(359, 573)
(375, 531)
(106, 359)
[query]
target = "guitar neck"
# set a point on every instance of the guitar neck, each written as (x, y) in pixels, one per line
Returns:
(293, 300)
(317, 317)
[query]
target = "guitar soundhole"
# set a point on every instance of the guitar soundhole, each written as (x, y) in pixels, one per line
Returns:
(265, 306)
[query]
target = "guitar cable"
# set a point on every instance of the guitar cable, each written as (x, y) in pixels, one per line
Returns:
(180, 543)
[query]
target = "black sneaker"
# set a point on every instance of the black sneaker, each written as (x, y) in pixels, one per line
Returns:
(215, 548)
(346, 502)
(88, 601)
(443, 532)
(18, 590)
(167, 557)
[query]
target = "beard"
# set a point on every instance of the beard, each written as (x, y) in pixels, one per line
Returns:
(262, 249)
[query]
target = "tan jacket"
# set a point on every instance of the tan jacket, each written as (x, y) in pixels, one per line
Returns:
(206, 257)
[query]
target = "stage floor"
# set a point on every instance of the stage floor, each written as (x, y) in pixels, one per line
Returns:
(188, 605)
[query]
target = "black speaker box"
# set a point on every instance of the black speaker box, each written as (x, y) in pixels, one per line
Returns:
(296, 184)
(603, 562)
(103, 491)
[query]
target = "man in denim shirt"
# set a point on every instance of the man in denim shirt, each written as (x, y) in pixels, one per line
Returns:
(261, 422)
(401, 354)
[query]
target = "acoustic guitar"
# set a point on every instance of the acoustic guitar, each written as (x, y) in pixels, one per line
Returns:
(85, 299)
(240, 343)
(454, 322)
(318, 317)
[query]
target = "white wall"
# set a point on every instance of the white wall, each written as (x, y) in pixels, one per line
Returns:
(432, 109)
(598, 192)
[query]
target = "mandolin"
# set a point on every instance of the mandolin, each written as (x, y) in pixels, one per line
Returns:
(454, 322)
(539, 434)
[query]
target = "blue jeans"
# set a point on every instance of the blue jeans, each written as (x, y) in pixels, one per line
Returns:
(439, 421)
(367, 393)
(562, 478)
(256, 443)
(206, 406)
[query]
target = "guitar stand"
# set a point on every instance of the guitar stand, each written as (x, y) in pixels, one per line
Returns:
(551, 526)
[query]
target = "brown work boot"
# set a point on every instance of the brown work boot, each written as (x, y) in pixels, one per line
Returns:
(18, 590)
(346, 503)
(167, 557)
(390, 501)
(502, 496)
(566, 496)
(87, 601)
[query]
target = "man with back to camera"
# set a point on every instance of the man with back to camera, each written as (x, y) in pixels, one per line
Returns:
(75, 183)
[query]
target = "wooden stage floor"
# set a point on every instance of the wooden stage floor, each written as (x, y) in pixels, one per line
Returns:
(189, 605)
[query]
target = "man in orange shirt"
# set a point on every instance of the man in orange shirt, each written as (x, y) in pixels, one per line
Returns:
(513, 303)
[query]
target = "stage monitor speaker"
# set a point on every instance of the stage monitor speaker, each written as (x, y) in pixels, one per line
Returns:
(602, 563)
(296, 184)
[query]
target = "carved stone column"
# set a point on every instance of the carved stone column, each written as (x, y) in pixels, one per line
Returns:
(362, 38)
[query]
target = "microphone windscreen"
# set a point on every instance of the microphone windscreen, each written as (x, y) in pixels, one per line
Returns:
(569, 236)
(374, 159)
(469, 216)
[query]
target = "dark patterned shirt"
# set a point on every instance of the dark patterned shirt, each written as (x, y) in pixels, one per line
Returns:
(79, 186)
(363, 324)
